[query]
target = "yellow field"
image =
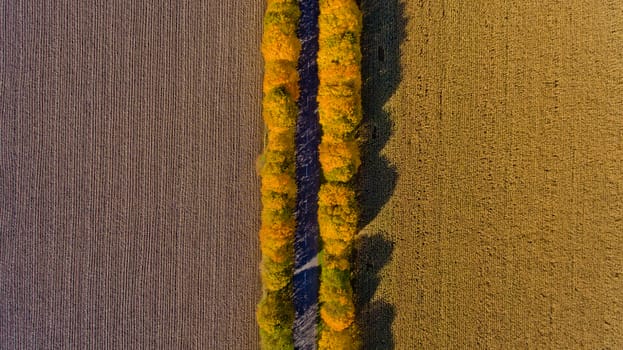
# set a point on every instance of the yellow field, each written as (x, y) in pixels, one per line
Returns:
(499, 191)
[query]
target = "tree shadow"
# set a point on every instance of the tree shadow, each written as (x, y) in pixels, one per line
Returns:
(374, 318)
(383, 32)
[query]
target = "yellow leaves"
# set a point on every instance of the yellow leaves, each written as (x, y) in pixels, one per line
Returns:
(279, 110)
(339, 59)
(339, 109)
(283, 230)
(280, 338)
(339, 53)
(280, 47)
(347, 339)
(274, 275)
(336, 247)
(337, 214)
(281, 141)
(337, 309)
(334, 73)
(339, 262)
(339, 161)
(339, 100)
(268, 310)
(279, 183)
(272, 201)
(279, 40)
(282, 13)
(332, 194)
(342, 233)
(338, 315)
(336, 297)
(276, 241)
(275, 314)
(277, 45)
(274, 249)
(336, 92)
(285, 2)
(335, 284)
(281, 73)
(338, 16)
(275, 162)
(270, 217)
(342, 47)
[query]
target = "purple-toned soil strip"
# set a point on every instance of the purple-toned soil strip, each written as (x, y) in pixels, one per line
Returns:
(306, 276)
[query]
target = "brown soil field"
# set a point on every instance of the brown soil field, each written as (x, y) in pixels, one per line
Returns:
(497, 133)
(130, 201)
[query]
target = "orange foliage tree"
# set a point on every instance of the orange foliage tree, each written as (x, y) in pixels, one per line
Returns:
(280, 49)
(340, 112)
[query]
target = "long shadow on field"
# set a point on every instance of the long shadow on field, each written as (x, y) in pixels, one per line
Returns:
(374, 318)
(383, 32)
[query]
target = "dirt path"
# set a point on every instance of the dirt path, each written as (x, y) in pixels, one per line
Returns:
(504, 225)
(306, 274)
(130, 203)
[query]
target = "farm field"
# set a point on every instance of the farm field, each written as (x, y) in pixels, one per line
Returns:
(499, 225)
(491, 183)
(130, 200)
